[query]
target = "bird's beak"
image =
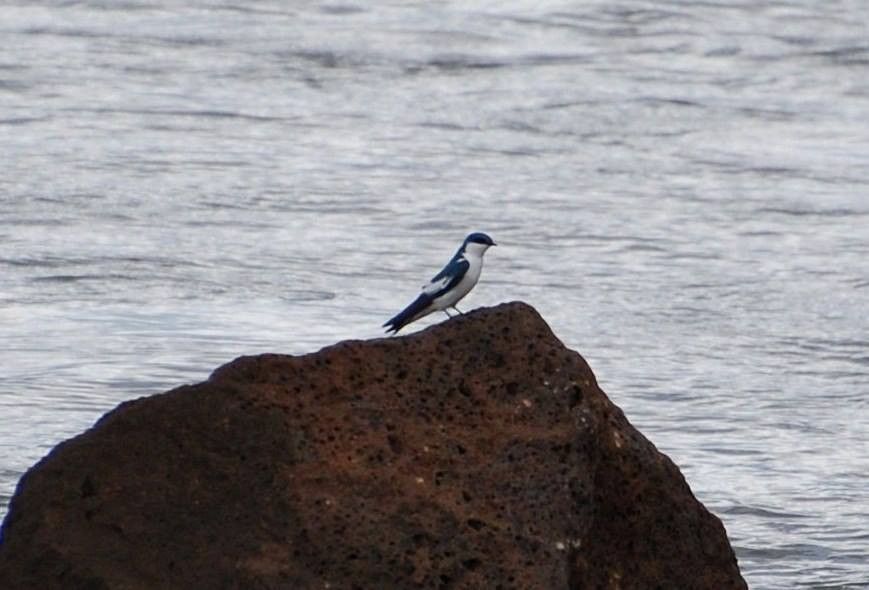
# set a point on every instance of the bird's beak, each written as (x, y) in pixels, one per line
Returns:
(494, 244)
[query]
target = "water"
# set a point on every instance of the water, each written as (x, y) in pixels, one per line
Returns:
(678, 187)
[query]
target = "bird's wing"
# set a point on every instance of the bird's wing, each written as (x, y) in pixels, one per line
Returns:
(442, 282)
(446, 279)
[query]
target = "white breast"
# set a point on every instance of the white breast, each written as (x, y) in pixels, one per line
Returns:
(465, 285)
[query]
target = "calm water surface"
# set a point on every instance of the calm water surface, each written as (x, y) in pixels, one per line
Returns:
(680, 188)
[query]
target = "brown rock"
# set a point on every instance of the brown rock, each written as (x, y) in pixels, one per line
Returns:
(479, 453)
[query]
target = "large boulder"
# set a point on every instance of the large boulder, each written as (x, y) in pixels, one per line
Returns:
(478, 453)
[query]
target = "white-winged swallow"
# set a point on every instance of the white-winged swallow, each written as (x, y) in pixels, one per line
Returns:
(447, 287)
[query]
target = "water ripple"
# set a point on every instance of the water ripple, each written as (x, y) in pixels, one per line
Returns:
(679, 188)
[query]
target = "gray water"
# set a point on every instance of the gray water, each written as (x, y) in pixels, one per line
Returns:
(680, 188)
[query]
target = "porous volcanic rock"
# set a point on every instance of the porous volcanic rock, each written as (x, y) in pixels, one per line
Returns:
(479, 453)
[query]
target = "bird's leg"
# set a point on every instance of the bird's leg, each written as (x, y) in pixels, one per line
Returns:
(458, 310)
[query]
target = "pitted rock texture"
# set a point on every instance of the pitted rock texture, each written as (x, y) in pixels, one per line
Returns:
(478, 453)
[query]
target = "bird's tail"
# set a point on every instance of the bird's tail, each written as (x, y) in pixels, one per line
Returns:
(413, 311)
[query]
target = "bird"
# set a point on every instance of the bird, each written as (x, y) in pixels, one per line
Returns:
(447, 288)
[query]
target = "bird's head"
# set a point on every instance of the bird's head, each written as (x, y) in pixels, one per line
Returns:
(477, 243)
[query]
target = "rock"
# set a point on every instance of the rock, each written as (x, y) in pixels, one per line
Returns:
(478, 453)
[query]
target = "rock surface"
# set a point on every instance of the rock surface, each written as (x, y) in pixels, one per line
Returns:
(479, 453)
